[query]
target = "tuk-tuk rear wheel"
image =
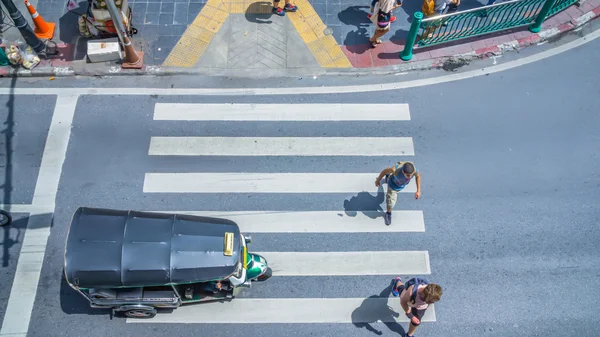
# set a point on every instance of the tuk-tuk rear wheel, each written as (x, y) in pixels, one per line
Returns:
(140, 313)
(5, 218)
(268, 273)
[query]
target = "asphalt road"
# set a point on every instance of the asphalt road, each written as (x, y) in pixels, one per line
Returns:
(510, 199)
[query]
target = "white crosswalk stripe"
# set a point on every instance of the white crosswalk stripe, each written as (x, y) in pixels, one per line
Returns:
(263, 183)
(291, 310)
(290, 264)
(348, 263)
(318, 221)
(281, 146)
(281, 112)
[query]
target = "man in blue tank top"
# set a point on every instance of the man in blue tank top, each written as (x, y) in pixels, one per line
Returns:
(397, 177)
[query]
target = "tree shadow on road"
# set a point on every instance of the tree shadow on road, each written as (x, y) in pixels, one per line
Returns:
(375, 309)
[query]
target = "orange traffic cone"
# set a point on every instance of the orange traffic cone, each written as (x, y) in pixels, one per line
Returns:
(43, 29)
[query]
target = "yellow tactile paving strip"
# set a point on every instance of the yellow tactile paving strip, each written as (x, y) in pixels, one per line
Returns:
(198, 35)
(194, 41)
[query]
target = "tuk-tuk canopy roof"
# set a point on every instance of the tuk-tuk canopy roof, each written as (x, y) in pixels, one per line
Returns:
(112, 248)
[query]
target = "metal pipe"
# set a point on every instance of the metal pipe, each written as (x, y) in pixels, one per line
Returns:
(438, 17)
(30, 38)
(406, 53)
(537, 25)
(117, 19)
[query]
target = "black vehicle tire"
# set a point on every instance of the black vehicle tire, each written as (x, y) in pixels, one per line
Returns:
(140, 313)
(268, 273)
(5, 218)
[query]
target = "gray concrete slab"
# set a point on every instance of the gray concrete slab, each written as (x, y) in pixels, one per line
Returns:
(218, 49)
(257, 41)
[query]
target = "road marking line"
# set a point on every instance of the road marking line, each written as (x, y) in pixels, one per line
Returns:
(281, 146)
(291, 310)
(307, 90)
(348, 263)
(264, 183)
(27, 275)
(318, 221)
(281, 112)
(27, 208)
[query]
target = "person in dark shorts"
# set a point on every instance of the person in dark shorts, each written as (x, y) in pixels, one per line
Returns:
(415, 301)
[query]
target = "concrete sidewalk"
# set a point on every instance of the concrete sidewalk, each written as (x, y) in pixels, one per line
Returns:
(243, 37)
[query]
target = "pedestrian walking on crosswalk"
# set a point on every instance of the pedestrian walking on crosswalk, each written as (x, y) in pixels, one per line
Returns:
(415, 297)
(397, 177)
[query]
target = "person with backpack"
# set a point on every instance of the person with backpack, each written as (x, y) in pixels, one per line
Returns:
(415, 297)
(381, 19)
(392, 18)
(397, 177)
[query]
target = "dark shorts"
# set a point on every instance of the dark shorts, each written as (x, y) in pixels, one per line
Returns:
(417, 313)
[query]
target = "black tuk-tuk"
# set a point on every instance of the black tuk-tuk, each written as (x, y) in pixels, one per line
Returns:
(136, 262)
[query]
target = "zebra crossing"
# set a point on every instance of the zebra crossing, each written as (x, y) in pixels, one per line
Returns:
(292, 263)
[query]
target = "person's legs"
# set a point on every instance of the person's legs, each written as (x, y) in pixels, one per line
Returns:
(413, 327)
(289, 7)
(390, 200)
(378, 33)
(398, 286)
(276, 9)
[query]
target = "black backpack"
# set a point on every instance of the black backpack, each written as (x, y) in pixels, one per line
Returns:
(416, 281)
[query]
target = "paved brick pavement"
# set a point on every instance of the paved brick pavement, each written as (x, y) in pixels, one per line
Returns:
(162, 23)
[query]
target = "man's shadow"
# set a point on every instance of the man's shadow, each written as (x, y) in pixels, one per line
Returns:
(365, 202)
(374, 309)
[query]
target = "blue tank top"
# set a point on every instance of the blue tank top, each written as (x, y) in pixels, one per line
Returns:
(397, 180)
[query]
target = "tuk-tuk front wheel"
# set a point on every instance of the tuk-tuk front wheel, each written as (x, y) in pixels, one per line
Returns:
(268, 273)
(140, 313)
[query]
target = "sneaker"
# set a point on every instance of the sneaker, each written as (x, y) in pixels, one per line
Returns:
(395, 291)
(392, 19)
(387, 217)
(278, 11)
(290, 8)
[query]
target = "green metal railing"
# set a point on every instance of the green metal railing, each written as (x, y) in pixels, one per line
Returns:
(480, 21)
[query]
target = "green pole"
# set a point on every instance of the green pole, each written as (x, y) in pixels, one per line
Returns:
(406, 53)
(537, 25)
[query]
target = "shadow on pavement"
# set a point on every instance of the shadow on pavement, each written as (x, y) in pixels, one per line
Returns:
(7, 152)
(68, 24)
(365, 202)
(366, 314)
(73, 303)
(356, 41)
(259, 12)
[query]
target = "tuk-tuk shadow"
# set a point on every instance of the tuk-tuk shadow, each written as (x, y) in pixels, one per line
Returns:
(73, 303)
(375, 309)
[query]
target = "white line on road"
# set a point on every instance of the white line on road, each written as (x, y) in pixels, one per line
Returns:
(281, 112)
(318, 221)
(291, 310)
(27, 208)
(348, 263)
(27, 274)
(309, 90)
(263, 183)
(281, 146)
